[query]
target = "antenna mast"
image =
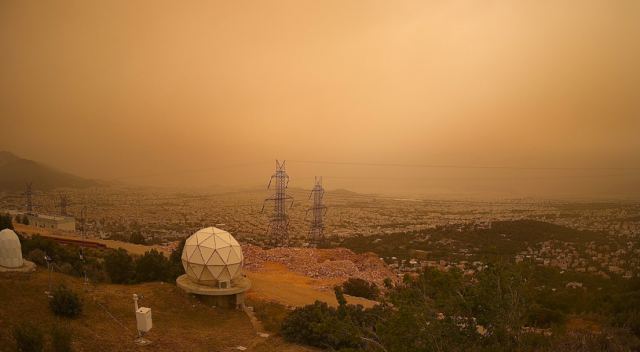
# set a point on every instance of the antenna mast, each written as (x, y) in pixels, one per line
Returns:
(278, 231)
(316, 232)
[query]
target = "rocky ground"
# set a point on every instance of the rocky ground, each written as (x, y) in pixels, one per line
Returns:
(334, 263)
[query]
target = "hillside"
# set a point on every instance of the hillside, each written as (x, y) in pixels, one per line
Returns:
(15, 171)
(504, 238)
(267, 270)
(180, 322)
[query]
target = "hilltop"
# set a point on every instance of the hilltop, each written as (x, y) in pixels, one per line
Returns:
(15, 171)
(180, 322)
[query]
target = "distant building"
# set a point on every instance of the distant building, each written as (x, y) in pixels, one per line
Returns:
(54, 222)
(64, 223)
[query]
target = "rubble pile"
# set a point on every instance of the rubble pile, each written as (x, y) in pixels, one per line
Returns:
(319, 263)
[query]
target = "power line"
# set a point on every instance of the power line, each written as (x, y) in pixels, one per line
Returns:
(462, 166)
(192, 171)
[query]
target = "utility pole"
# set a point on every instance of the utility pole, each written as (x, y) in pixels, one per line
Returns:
(83, 231)
(278, 231)
(29, 197)
(318, 210)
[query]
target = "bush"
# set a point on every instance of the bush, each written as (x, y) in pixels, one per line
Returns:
(61, 339)
(544, 317)
(152, 266)
(319, 325)
(119, 266)
(28, 338)
(175, 262)
(65, 303)
(37, 256)
(270, 314)
(360, 288)
(66, 268)
(6, 222)
(137, 238)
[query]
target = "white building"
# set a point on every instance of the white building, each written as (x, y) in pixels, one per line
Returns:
(54, 222)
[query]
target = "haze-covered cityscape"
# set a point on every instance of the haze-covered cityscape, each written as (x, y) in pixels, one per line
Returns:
(295, 176)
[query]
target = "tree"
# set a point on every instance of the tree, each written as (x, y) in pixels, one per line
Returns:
(37, 256)
(65, 303)
(175, 262)
(28, 338)
(388, 284)
(318, 325)
(360, 288)
(6, 221)
(120, 267)
(152, 266)
(137, 238)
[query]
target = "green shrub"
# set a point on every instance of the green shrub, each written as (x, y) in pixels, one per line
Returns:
(175, 262)
(6, 222)
(270, 314)
(319, 325)
(137, 238)
(543, 317)
(37, 256)
(65, 303)
(61, 339)
(28, 338)
(360, 288)
(120, 267)
(152, 266)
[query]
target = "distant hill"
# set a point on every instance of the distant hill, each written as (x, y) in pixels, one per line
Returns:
(16, 171)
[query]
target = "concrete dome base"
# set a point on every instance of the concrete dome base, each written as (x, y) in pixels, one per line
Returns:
(222, 297)
(27, 267)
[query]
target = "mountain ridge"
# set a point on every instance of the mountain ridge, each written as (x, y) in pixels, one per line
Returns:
(16, 171)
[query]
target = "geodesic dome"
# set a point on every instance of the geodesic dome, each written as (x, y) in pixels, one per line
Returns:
(212, 255)
(10, 249)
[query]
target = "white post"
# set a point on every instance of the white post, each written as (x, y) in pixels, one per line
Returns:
(135, 301)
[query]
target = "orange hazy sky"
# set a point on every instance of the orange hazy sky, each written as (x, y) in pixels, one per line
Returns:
(211, 92)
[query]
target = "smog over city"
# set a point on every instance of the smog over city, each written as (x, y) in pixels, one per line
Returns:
(436, 175)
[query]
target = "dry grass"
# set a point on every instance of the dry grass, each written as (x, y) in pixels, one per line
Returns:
(277, 283)
(181, 322)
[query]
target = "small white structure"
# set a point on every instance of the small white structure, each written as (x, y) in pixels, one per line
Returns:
(11, 253)
(213, 261)
(143, 321)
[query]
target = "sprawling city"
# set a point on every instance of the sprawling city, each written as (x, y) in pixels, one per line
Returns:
(304, 176)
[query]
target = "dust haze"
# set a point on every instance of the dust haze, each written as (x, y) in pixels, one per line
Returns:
(424, 98)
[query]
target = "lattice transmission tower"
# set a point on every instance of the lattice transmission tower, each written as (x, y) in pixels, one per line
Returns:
(28, 193)
(63, 203)
(278, 231)
(318, 210)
